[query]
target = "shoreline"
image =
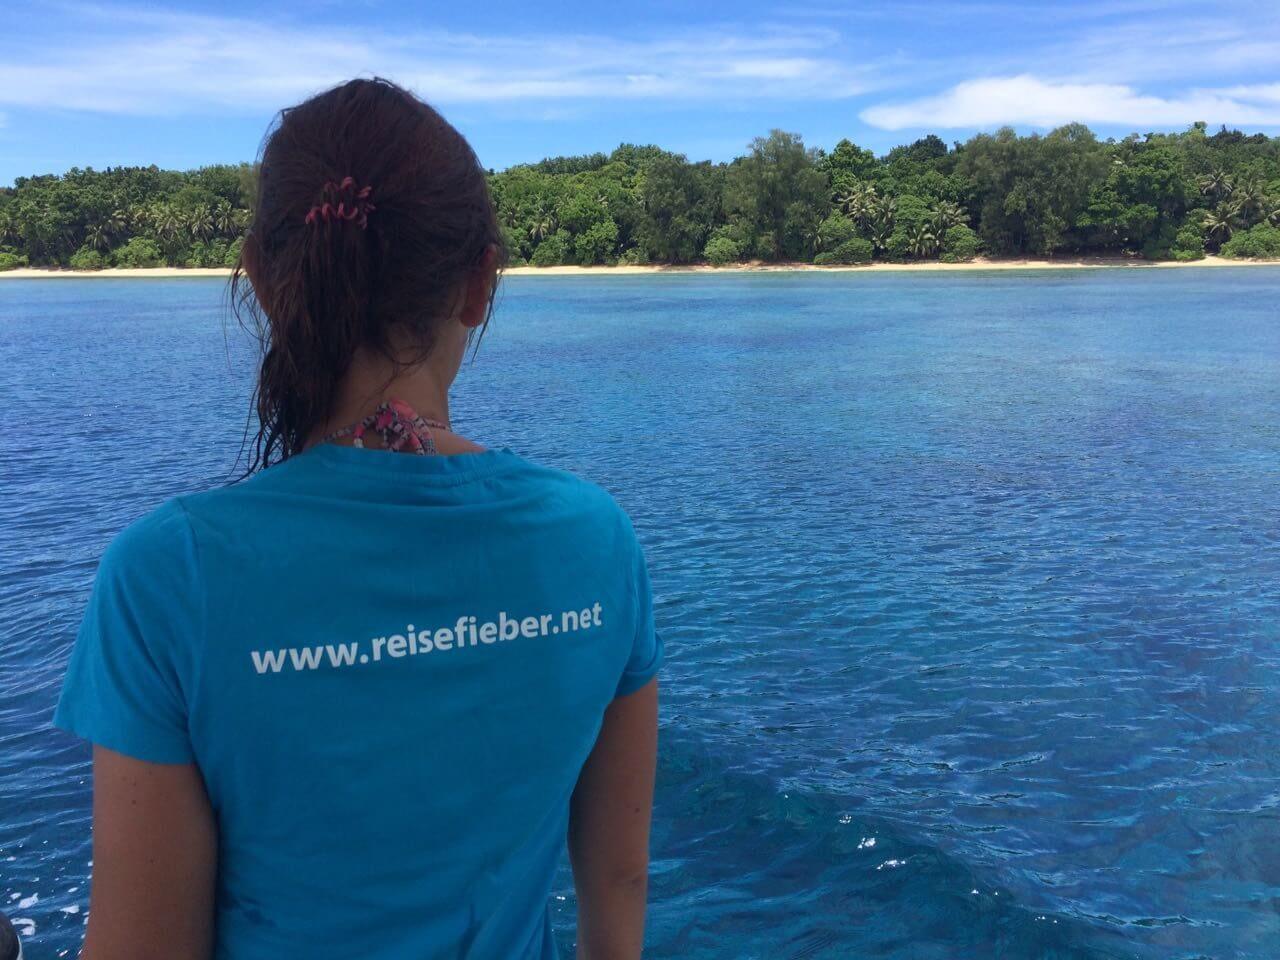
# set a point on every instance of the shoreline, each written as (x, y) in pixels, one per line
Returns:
(1065, 263)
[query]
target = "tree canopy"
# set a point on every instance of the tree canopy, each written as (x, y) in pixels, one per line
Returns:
(1171, 195)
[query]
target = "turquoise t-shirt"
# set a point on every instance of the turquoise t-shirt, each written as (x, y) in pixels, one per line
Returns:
(390, 670)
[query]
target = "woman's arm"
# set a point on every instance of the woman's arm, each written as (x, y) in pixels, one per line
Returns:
(154, 861)
(609, 829)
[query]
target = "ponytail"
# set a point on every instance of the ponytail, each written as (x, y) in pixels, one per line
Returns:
(355, 234)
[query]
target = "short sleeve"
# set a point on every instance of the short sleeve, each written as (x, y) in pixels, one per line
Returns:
(131, 671)
(646, 646)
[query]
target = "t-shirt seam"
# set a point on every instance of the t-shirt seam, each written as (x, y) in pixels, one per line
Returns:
(433, 480)
(637, 568)
(203, 631)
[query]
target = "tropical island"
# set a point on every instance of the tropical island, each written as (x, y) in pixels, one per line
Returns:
(1068, 194)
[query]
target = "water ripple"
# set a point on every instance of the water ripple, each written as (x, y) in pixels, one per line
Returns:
(969, 586)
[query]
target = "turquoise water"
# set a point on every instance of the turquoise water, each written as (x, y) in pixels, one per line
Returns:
(970, 586)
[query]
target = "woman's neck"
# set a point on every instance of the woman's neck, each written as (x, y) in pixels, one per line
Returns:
(372, 380)
(424, 394)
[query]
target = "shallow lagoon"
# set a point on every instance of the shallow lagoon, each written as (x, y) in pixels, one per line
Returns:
(970, 585)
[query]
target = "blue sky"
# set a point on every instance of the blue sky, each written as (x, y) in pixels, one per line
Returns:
(186, 84)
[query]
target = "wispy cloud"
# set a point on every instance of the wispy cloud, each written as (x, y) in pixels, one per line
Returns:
(143, 62)
(913, 64)
(1174, 50)
(1031, 101)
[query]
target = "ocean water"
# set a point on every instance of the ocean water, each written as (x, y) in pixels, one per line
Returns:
(970, 586)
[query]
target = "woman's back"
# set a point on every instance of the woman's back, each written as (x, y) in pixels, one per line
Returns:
(390, 670)
(352, 705)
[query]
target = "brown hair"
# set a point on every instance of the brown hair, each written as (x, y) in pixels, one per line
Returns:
(324, 286)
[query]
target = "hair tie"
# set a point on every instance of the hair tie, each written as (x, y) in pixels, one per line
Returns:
(352, 204)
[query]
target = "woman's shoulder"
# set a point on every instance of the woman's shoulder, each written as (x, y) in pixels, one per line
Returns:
(157, 548)
(163, 529)
(573, 495)
(571, 486)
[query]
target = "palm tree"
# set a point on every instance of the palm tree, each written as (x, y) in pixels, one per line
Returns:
(167, 223)
(881, 231)
(1215, 183)
(544, 224)
(845, 199)
(1272, 212)
(1220, 222)
(116, 223)
(99, 237)
(945, 216)
(1249, 198)
(868, 200)
(510, 216)
(921, 241)
(858, 201)
(883, 212)
(225, 219)
(103, 236)
(199, 223)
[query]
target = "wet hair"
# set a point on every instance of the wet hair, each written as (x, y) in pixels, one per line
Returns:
(324, 286)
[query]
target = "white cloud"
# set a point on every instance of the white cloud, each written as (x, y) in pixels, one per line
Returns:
(777, 68)
(1030, 101)
(1262, 93)
(143, 62)
(1095, 67)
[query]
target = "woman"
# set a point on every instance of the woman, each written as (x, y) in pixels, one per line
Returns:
(351, 706)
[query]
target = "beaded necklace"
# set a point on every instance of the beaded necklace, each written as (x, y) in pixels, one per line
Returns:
(401, 428)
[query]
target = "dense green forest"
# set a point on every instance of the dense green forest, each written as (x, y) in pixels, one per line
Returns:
(1158, 196)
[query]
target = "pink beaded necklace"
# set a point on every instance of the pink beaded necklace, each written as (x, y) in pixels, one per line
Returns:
(401, 428)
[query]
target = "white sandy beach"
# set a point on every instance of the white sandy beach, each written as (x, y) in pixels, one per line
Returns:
(1062, 263)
